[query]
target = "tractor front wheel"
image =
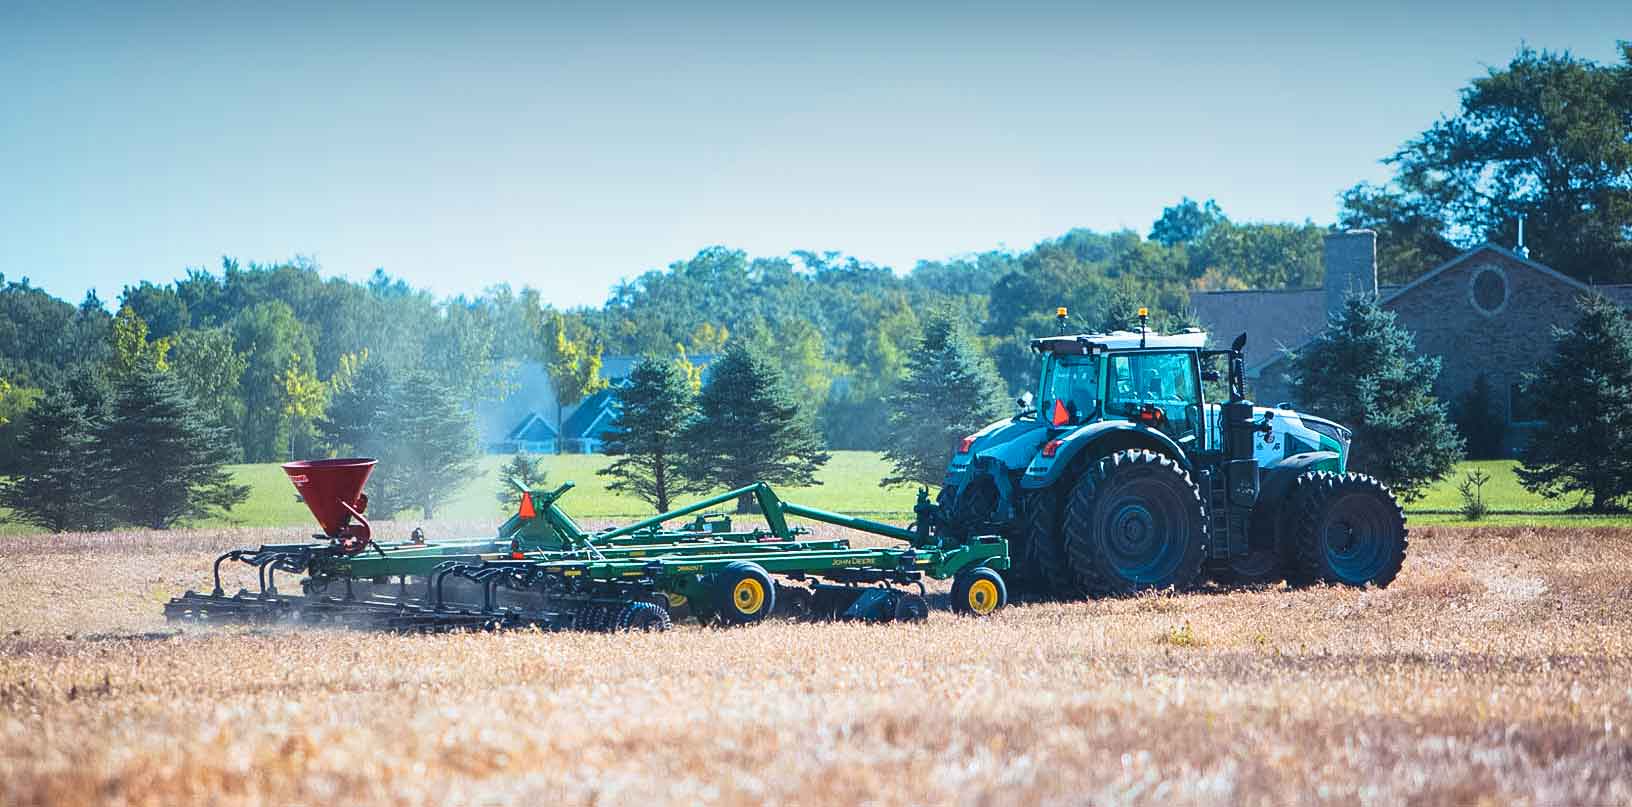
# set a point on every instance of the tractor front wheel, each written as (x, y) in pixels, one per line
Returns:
(1135, 522)
(1349, 529)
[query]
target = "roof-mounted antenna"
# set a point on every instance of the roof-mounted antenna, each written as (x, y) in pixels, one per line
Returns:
(1524, 251)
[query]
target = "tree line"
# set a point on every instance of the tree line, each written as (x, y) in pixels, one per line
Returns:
(270, 356)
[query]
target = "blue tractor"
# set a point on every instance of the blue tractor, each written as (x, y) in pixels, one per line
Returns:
(1120, 475)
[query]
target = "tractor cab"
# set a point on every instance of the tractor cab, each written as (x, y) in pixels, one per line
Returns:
(1151, 380)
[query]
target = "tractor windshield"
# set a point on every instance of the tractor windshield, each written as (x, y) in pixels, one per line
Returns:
(1165, 381)
(1070, 390)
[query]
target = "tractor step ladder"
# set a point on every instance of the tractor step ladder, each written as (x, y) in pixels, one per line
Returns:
(1218, 515)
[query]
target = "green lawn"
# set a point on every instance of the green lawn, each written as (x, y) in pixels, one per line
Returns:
(849, 485)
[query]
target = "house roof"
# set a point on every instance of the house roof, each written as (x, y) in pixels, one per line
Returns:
(1618, 293)
(533, 428)
(593, 415)
(1478, 250)
(1273, 320)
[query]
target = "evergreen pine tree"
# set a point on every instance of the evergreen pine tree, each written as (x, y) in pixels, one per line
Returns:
(357, 414)
(165, 457)
(1364, 372)
(426, 444)
(59, 484)
(654, 410)
(950, 390)
(1479, 421)
(749, 428)
(1583, 397)
(524, 468)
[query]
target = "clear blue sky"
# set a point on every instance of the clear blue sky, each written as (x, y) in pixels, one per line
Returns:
(568, 146)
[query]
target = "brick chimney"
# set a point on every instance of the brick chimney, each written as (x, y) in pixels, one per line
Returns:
(1351, 266)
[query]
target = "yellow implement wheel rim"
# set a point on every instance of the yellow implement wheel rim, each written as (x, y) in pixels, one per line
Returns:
(748, 595)
(983, 597)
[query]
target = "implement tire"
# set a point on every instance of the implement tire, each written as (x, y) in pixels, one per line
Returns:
(978, 592)
(1135, 522)
(644, 616)
(744, 593)
(1350, 530)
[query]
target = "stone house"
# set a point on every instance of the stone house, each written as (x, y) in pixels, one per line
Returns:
(1488, 311)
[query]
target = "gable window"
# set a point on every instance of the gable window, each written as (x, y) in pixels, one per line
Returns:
(1487, 290)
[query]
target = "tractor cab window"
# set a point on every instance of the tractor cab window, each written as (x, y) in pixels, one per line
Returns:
(1164, 381)
(1070, 390)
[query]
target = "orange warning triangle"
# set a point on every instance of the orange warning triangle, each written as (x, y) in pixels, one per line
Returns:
(527, 510)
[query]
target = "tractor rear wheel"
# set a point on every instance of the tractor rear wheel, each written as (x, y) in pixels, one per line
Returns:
(1349, 529)
(1135, 522)
(972, 509)
(1045, 545)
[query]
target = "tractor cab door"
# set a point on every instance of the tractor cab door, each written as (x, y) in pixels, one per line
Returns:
(1070, 390)
(1166, 381)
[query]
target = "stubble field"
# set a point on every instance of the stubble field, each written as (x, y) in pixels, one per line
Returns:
(1497, 670)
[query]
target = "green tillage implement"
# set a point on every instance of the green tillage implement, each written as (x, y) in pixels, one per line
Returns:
(542, 569)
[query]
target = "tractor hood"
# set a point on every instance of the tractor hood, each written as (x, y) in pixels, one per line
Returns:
(1010, 441)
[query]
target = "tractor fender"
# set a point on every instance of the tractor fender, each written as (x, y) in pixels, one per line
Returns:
(1101, 437)
(1277, 477)
(1009, 441)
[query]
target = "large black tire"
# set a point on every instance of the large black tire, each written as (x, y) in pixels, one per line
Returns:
(1350, 530)
(973, 507)
(1046, 544)
(1135, 522)
(744, 593)
(1024, 575)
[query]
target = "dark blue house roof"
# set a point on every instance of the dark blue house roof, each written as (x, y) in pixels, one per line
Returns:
(593, 417)
(532, 429)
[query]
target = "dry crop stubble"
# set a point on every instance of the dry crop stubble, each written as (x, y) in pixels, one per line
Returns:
(1498, 669)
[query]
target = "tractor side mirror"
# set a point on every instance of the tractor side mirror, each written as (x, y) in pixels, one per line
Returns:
(1024, 400)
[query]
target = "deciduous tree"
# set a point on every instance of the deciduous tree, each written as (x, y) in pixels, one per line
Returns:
(574, 364)
(1546, 137)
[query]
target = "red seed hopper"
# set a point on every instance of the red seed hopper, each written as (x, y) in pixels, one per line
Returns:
(333, 490)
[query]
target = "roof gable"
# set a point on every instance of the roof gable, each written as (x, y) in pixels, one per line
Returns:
(533, 429)
(584, 418)
(1485, 249)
